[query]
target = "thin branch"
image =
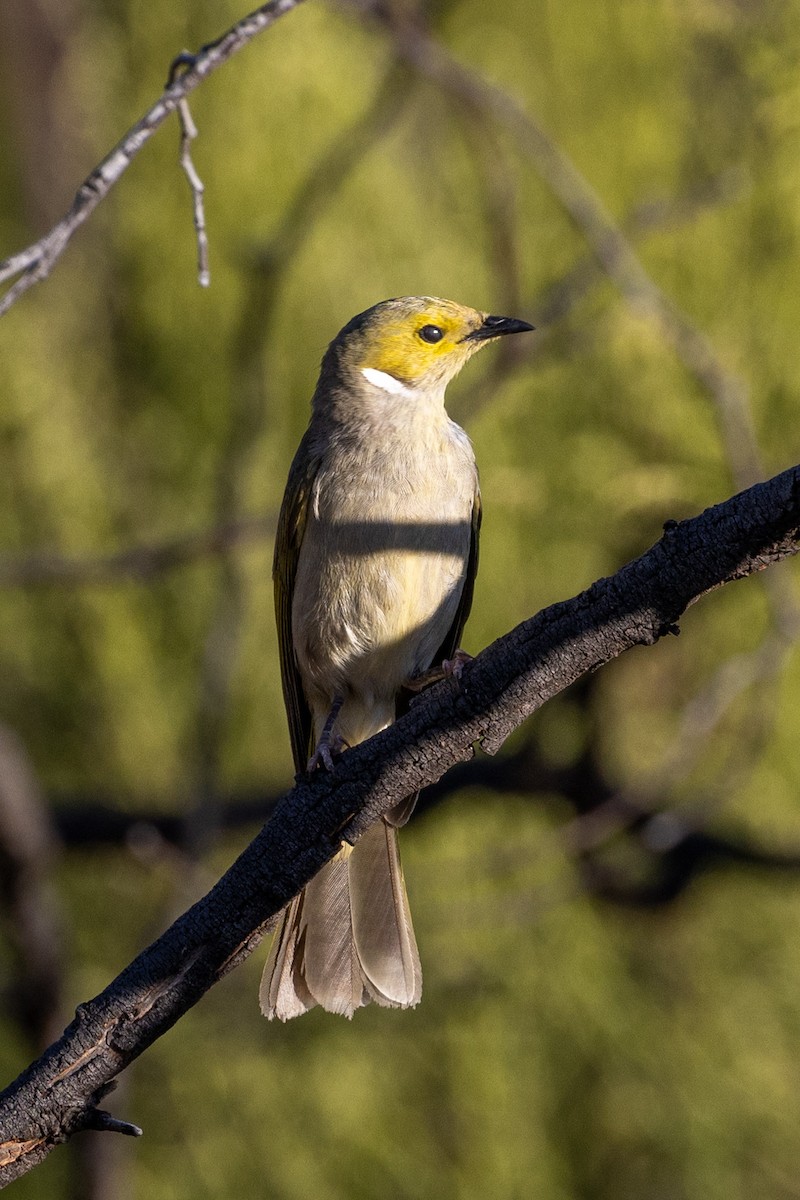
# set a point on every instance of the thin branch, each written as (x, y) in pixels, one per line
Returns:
(37, 261)
(60, 1093)
(103, 1122)
(188, 134)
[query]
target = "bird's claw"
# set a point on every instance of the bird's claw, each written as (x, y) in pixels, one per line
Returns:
(453, 668)
(450, 668)
(327, 747)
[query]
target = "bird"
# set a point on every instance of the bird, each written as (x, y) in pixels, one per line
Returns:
(376, 552)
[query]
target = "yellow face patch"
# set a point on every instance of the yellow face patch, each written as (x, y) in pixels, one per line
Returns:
(413, 345)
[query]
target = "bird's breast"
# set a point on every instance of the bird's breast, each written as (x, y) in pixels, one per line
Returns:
(382, 565)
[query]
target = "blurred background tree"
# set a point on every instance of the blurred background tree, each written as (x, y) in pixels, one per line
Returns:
(608, 915)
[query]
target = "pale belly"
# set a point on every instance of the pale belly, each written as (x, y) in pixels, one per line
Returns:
(376, 595)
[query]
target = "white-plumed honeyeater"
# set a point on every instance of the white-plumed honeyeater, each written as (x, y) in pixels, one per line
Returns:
(375, 560)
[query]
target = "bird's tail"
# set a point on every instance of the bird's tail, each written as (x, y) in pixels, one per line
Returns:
(347, 939)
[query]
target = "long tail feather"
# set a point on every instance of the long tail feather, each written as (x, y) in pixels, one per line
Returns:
(381, 921)
(330, 968)
(348, 938)
(283, 993)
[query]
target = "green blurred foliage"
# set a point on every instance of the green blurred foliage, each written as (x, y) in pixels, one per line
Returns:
(562, 1048)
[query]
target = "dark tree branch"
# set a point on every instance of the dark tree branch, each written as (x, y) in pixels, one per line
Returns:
(60, 1093)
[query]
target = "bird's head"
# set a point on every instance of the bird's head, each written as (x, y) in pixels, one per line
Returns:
(413, 344)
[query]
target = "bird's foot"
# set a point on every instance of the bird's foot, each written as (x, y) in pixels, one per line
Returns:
(453, 668)
(328, 748)
(450, 668)
(329, 743)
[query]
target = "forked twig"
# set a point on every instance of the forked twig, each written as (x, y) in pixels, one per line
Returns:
(36, 261)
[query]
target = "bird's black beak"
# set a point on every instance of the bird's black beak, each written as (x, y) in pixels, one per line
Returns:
(493, 327)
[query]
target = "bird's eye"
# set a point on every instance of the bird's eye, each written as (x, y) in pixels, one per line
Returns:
(431, 333)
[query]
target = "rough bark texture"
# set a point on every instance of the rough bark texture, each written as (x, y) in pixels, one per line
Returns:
(59, 1094)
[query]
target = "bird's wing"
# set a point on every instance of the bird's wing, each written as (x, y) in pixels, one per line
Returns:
(451, 641)
(288, 539)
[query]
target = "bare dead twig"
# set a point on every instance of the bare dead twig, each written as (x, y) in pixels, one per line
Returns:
(188, 133)
(36, 261)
